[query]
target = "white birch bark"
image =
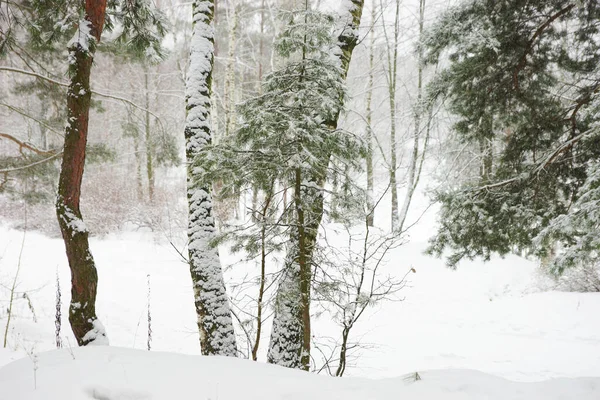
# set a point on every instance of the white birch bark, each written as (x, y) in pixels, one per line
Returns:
(215, 324)
(414, 171)
(392, 79)
(369, 116)
(229, 90)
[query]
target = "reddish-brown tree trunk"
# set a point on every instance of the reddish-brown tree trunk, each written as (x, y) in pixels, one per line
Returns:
(84, 278)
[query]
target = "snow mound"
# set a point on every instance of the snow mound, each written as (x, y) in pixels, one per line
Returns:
(112, 373)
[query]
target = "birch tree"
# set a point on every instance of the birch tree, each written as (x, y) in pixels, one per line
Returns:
(419, 109)
(392, 80)
(230, 84)
(369, 118)
(215, 324)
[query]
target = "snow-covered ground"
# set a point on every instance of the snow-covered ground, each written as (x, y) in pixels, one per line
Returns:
(488, 318)
(110, 373)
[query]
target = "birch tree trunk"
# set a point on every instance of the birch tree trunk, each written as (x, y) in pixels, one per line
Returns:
(84, 277)
(369, 116)
(138, 168)
(392, 78)
(290, 336)
(414, 167)
(229, 90)
(215, 324)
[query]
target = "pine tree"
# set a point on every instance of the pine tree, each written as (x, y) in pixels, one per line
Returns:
(53, 24)
(285, 334)
(215, 325)
(315, 90)
(522, 81)
(291, 333)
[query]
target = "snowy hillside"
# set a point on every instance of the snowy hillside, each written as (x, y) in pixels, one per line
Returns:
(111, 373)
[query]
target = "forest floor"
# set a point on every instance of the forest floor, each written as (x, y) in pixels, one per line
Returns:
(113, 373)
(489, 317)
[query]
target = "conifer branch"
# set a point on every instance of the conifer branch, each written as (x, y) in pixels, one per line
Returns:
(531, 42)
(15, 169)
(582, 101)
(547, 161)
(65, 84)
(26, 115)
(563, 147)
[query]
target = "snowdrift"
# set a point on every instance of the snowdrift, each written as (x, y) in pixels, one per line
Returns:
(112, 373)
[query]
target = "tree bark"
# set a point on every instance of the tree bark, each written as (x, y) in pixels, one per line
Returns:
(369, 117)
(229, 90)
(84, 277)
(215, 324)
(290, 337)
(414, 169)
(392, 81)
(149, 139)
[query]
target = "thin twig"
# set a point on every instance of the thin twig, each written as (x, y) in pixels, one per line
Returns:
(26, 145)
(7, 170)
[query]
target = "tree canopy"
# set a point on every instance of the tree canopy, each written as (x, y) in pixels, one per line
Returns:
(521, 79)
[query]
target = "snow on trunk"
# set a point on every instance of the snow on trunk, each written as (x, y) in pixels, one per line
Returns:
(291, 323)
(285, 347)
(215, 325)
(86, 327)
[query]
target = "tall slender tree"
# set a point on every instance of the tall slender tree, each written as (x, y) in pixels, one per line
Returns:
(290, 336)
(84, 277)
(229, 90)
(141, 30)
(417, 155)
(392, 83)
(369, 120)
(217, 336)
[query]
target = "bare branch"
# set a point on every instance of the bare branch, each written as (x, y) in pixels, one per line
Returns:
(25, 145)
(65, 84)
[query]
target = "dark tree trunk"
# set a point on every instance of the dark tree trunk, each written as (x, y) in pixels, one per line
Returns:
(84, 278)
